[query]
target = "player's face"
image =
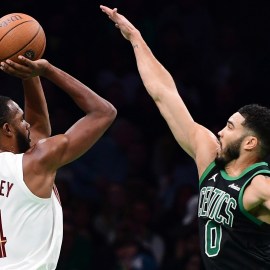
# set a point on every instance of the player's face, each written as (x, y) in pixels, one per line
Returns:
(21, 128)
(229, 153)
(231, 138)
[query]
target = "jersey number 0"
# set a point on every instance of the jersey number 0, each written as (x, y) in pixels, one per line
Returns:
(213, 235)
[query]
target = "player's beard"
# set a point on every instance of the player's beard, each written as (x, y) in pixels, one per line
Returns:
(23, 142)
(231, 152)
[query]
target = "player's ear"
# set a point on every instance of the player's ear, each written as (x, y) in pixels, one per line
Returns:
(251, 142)
(6, 129)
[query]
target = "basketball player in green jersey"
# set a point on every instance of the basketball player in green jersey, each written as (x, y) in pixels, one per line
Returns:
(234, 201)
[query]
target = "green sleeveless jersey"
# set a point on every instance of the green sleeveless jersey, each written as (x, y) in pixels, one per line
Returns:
(230, 237)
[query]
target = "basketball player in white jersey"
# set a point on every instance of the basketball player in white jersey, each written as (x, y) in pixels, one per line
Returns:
(31, 223)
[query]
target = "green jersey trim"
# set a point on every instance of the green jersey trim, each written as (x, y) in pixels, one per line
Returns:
(207, 170)
(231, 178)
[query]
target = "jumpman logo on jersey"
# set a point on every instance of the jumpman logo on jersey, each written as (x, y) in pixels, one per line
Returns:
(213, 177)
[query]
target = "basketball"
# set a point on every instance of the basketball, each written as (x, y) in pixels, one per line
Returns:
(21, 34)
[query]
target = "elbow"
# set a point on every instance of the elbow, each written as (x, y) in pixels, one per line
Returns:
(109, 112)
(105, 113)
(112, 112)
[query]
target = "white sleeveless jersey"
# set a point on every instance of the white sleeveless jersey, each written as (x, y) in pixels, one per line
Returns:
(31, 228)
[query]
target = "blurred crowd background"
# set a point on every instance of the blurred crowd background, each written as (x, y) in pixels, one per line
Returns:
(130, 202)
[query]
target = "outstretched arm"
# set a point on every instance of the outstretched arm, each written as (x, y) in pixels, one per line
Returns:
(192, 137)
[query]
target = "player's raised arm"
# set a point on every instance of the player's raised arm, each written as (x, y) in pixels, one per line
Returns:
(36, 110)
(161, 87)
(52, 153)
(35, 105)
(99, 114)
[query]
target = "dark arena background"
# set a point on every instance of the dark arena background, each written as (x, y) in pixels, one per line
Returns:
(133, 196)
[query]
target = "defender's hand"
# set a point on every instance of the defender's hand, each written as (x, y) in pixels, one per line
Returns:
(126, 27)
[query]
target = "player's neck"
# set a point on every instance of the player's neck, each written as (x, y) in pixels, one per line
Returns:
(8, 148)
(237, 166)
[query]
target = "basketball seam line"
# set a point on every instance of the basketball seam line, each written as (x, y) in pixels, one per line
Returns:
(15, 27)
(25, 44)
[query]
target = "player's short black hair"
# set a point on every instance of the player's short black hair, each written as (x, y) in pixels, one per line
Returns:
(4, 110)
(257, 120)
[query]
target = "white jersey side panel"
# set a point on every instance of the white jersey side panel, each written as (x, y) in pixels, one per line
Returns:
(31, 228)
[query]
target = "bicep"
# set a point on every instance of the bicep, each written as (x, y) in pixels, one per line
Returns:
(82, 136)
(59, 150)
(195, 139)
(179, 120)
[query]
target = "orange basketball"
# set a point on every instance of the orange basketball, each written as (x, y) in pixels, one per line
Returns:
(21, 34)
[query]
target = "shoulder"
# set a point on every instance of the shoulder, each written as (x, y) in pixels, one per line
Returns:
(261, 185)
(257, 192)
(46, 152)
(261, 180)
(40, 164)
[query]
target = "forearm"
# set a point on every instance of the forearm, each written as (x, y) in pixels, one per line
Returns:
(161, 87)
(155, 77)
(86, 99)
(35, 107)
